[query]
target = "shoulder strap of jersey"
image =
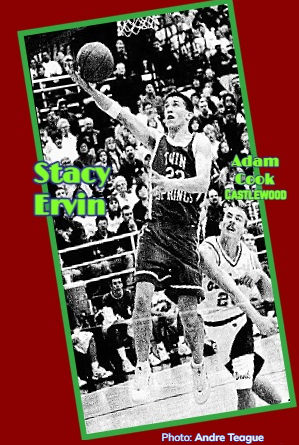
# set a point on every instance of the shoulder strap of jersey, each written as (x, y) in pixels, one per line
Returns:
(211, 241)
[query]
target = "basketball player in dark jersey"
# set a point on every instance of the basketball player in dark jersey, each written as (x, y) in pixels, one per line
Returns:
(167, 252)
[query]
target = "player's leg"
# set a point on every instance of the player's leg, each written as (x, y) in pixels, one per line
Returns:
(142, 325)
(244, 364)
(266, 391)
(194, 334)
(193, 326)
(245, 398)
(142, 322)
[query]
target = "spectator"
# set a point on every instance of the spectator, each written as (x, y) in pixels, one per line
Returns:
(52, 68)
(148, 115)
(114, 153)
(131, 167)
(33, 69)
(69, 141)
(224, 154)
(120, 55)
(195, 125)
(113, 214)
(220, 61)
(90, 133)
(140, 209)
(249, 240)
(102, 250)
(125, 89)
(231, 129)
(210, 76)
(51, 123)
(85, 158)
(126, 226)
(151, 96)
(71, 117)
(214, 214)
(120, 192)
(205, 115)
(164, 62)
(116, 308)
(210, 132)
(165, 333)
(86, 354)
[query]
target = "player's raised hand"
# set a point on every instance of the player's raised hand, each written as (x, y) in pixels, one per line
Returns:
(267, 326)
(75, 76)
(251, 278)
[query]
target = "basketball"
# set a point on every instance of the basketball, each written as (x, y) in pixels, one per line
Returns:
(95, 61)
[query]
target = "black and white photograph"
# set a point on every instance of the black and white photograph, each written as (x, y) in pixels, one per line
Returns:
(168, 299)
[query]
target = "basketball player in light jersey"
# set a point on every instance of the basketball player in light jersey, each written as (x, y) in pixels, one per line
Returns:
(225, 320)
(167, 250)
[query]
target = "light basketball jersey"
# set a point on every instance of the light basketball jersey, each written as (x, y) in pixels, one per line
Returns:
(218, 305)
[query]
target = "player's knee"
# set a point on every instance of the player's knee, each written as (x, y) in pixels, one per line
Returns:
(143, 297)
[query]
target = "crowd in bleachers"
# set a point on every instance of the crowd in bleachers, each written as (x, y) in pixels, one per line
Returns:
(193, 52)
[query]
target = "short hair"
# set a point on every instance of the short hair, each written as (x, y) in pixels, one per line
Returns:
(119, 179)
(187, 101)
(61, 122)
(83, 140)
(101, 218)
(139, 187)
(88, 119)
(243, 209)
(126, 207)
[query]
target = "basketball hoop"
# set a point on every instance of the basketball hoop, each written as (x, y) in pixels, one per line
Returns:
(125, 28)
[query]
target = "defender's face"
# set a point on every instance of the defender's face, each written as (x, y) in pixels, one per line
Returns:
(175, 112)
(233, 223)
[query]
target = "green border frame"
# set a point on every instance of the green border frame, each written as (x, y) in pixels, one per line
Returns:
(62, 27)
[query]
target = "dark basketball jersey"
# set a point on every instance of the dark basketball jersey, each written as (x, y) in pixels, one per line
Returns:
(177, 206)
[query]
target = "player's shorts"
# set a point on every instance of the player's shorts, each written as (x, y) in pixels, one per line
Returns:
(167, 257)
(235, 343)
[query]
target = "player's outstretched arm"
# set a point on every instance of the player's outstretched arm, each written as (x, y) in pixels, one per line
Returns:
(259, 278)
(209, 266)
(143, 133)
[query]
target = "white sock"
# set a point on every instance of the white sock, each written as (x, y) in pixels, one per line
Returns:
(142, 365)
(94, 365)
(122, 353)
(196, 365)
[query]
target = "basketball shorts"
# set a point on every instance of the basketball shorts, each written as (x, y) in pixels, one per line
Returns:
(167, 257)
(236, 348)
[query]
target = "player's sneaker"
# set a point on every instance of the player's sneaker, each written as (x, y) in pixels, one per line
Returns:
(201, 384)
(81, 382)
(183, 349)
(154, 361)
(128, 368)
(98, 372)
(162, 353)
(143, 377)
(210, 347)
